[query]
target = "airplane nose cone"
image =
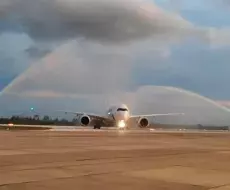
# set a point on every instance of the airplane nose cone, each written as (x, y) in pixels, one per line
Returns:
(121, 115)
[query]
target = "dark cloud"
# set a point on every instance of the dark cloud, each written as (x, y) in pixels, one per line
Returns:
(109, 21)
(36, 52)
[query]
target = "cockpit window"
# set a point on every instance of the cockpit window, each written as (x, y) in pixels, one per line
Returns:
(122, 109)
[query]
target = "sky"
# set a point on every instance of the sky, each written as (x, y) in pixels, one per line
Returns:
(71, 49)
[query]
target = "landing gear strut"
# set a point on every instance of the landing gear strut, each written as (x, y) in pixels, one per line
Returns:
(96, 126)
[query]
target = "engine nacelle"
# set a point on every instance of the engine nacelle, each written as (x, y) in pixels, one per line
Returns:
(143, 122)
(84, 120)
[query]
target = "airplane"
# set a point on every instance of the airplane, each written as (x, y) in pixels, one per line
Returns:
(118, 116)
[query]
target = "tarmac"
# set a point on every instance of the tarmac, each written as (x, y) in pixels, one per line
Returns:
(110, 159)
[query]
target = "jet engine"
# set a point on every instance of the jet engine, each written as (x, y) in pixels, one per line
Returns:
(143, 122)
(84, 120)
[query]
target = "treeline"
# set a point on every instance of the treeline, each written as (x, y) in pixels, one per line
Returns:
(46, 120)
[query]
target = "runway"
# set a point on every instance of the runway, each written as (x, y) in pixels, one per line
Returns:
(109, 159)
(135, 130)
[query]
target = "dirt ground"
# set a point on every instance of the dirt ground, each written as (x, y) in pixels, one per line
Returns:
(114, 160)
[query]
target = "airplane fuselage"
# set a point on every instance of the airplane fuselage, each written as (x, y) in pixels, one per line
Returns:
(120, 114)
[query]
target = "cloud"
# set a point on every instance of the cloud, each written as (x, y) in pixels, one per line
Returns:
(103, 20)
(4, 5)
(50, 23)
(37, 52)
(85, 66)
(209, 18)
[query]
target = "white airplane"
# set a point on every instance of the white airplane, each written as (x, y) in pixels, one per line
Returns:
(118, 116)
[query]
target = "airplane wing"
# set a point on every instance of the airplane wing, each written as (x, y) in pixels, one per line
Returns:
(79, 113)
(154, 115)
(94, 117)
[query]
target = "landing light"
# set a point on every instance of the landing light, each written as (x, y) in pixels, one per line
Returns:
(121, 124)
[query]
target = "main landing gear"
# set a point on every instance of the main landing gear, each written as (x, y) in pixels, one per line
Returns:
(96, 126)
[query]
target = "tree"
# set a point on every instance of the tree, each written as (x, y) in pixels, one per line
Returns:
(46, 118)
